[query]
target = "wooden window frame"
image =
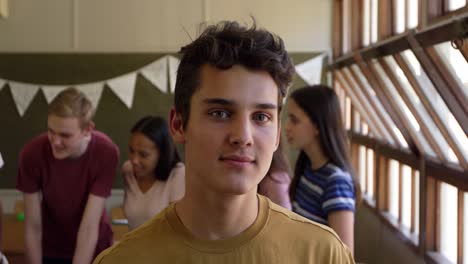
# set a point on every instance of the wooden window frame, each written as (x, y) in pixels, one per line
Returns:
(376, 127)
(428, 106)
(424, 129)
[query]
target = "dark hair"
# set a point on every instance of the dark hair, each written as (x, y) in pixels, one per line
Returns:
(227, 44)
(156, 129)
(321, 105)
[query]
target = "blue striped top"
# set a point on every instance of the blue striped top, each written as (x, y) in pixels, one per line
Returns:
(322, 191)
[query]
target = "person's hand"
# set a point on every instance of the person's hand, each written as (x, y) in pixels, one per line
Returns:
(131, 184)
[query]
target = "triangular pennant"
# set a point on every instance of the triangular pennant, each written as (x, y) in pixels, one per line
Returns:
(173, 66)
(311, 70)
(23, 94)
(156, 73)
(93, 91)
(124, 88)
(2, 83)
(51, 91)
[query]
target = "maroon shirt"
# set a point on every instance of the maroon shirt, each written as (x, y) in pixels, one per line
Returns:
(65, 186)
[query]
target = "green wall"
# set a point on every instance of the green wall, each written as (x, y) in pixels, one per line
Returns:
(112, 116)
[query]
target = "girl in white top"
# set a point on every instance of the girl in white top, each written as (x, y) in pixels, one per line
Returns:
(154, 175)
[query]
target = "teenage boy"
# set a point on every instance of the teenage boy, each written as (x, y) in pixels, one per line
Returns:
(230, 84)
(66, 175)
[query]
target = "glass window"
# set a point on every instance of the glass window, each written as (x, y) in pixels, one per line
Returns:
(406, 196)
(451, 124)
(416, 202)
(366, 105)
(366, 23)
(348, 113)
(414, 125)
(399, 18)
(448, 221)
(413, 13)
(374, 9)
(364, 128)
(465, 228)
(394, 179)
(370, 172)
(346, 24)
(456, 4)
(456, 63)
(386, 118)
(421, 111)
(362, 167)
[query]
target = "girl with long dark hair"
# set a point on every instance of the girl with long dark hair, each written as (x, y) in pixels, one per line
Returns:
(324, 188)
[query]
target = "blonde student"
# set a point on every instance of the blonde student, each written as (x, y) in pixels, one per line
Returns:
(65, 176)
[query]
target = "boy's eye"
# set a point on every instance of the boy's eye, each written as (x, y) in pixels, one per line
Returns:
(219, 114)
(262, 117)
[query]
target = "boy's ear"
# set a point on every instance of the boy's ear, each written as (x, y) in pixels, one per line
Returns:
(89, 128)
(176, 126)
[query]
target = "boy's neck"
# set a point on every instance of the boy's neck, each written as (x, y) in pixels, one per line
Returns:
(215, 217)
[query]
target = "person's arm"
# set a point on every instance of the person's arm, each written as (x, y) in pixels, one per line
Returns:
(342, 223)
(33, 227)
(89, 230)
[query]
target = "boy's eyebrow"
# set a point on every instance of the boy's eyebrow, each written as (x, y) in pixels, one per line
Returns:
(226, 102)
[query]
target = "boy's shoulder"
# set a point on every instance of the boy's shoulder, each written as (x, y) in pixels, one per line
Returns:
(285, 220)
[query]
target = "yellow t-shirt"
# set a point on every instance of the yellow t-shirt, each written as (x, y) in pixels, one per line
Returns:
(277, 236)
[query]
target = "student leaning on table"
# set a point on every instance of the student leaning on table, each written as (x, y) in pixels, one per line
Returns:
(66, 175)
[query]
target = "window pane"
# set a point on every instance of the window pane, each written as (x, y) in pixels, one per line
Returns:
(416, 203)
(456, 4)
(456, 63)
(465, 228)
(448, 221)
(386, 118)
(413, 13)
(414, 125)
(366, 24)
(346, 24)
(348, 113)
(451, 124)
(362, 167)
(366, 105)
(400, 22)
(364, 128)
(394, 172)
(370, 172)
(421, 110)
(406, 196)
(374, 21)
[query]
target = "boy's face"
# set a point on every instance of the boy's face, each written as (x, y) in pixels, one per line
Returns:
(232, 131)
(66, 136)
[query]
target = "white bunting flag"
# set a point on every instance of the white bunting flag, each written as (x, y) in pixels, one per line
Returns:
(173, 66)
(156, 73)
(311, 70)
(51, 91)
(2, 83)
(124, 88)
(93, 91)
(23, 94)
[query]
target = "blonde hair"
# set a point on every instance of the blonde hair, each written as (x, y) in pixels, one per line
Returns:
(72, 103)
